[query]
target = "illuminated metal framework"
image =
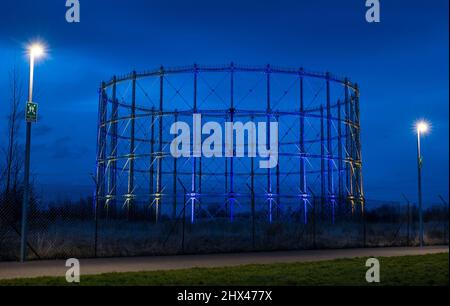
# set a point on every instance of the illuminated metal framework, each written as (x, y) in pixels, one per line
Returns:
(319, 143)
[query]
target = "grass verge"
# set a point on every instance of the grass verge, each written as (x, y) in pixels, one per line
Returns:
(395, 271)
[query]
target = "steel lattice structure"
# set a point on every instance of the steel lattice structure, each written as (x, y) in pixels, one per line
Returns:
(319, 142)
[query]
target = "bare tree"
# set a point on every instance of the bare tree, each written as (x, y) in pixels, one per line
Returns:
(11, 173)
(13, 157)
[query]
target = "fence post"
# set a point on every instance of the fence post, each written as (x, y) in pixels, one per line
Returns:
(184, 214)
(252, 191)
(97, 185)
(364, 228)
(409, 225)
(96, 227)
(314, 223)
(445, 222)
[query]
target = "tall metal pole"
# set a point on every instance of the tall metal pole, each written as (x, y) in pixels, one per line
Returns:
(340, 158)
(193, 196)
(175, 179)
(102, 139)
(352, 150)
(26, 187)
(419, 170)
(330, 194)
(347, 144)
(226, 178)
(152, 164)
(112, 188)
(99, 179)
(132, 147)
(269, 172)
(160, 147)
(302, 151)
(351, 153)
(231, 198)
(200, 175)
(253, 204)
(322, 161)
(359, 176)
(278, 174)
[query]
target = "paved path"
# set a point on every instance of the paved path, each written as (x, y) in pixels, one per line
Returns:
(11, 270)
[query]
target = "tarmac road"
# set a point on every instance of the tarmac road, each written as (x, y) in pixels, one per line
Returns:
(11, 270)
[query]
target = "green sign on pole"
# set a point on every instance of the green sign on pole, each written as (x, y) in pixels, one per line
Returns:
(31, 112)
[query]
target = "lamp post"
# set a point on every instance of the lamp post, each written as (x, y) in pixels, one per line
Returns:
(421, 128)
(35, 51)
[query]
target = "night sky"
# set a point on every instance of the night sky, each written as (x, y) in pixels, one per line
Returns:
(401, 65)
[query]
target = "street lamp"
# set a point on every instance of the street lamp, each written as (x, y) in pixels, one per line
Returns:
(421, 128)
(35, 51)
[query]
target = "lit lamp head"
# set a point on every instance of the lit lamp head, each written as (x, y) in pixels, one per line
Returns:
(36, 50)
(422, 127)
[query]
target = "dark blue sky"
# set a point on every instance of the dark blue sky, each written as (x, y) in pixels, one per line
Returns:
(401, 65)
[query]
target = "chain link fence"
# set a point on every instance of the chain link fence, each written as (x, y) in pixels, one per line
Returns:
(77, 229)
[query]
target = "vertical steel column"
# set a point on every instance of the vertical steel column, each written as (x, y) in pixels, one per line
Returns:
(303, 188)
(278, 177)
(226, 176)
(352, 152)
(322, 160)
(160, 146)
(175, 179)
(99, 178)
(132, 146)
(231, 195)
(100, 175)
(194, 159)
(347, 132)
(101, 145)
(200, 175)
(330, 193)
(152, 198)
(253, 204)
(340, 157)
(269, 172)
(348, 142)
(104, 142)
(359, 176)
(112, 188)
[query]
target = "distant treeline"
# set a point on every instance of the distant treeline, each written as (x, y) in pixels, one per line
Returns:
(84, 209)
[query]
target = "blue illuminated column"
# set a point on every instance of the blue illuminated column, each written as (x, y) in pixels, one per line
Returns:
(303, 187)
(269, 172)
